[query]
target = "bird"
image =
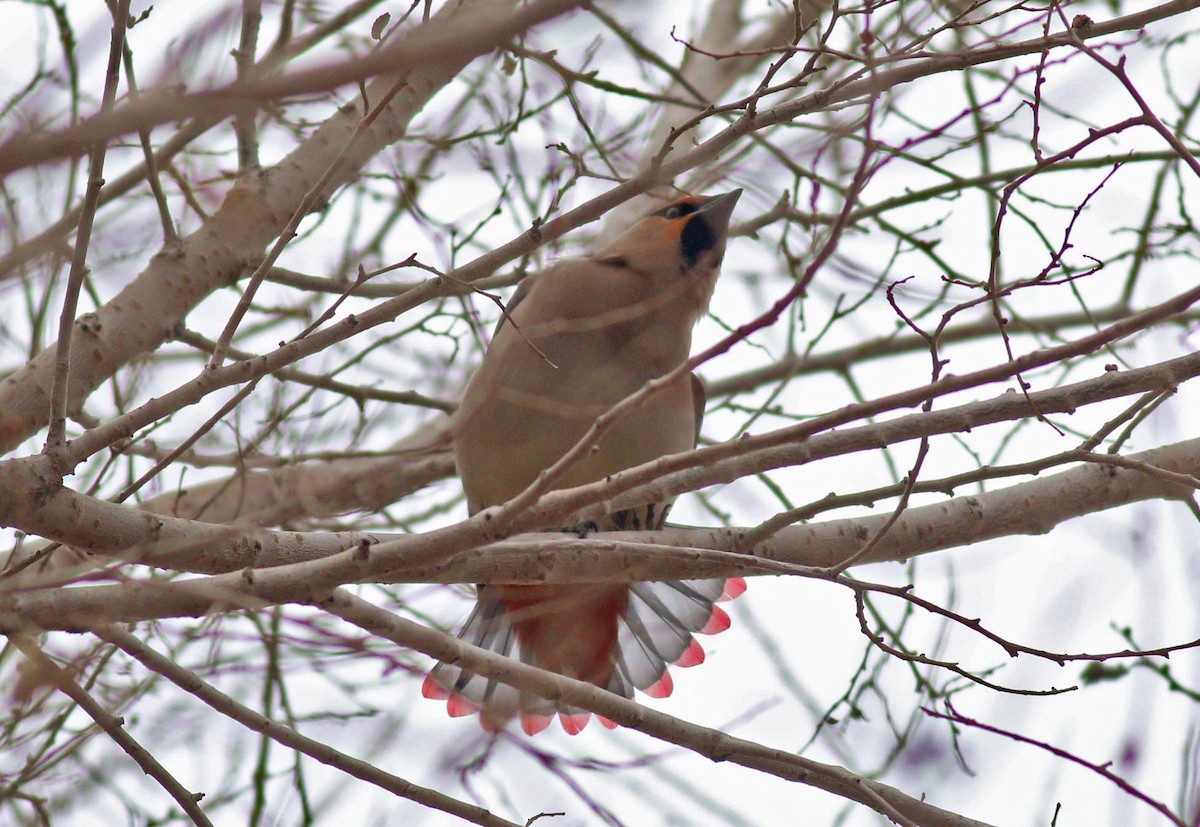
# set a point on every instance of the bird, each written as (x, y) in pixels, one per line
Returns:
(575, 340)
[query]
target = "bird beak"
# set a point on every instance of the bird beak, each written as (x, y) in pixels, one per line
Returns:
(719, 208)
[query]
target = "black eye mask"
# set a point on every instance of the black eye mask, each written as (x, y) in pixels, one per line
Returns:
(697, 239)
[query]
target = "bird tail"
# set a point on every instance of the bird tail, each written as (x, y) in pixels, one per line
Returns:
(619, 637)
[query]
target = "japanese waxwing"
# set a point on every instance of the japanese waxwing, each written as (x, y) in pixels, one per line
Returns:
(605, 325)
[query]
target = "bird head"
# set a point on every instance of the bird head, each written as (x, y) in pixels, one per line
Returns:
(678, 247)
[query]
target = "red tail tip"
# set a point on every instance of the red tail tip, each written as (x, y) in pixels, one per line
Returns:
(432, 689)
(533, 724)
(718, 622)
(734, 587)
(458, 706)
(692, 656)
(607, 723)
(573, 724)
(662, 688)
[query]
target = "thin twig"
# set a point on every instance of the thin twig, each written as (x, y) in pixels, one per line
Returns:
(191, 683)
(56, 434)
(1100, 769)
(114, 727)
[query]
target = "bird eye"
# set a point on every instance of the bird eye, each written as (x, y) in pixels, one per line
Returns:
(679, 210)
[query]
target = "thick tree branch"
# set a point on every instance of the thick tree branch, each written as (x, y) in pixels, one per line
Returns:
(458, 554)
(253, 214)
